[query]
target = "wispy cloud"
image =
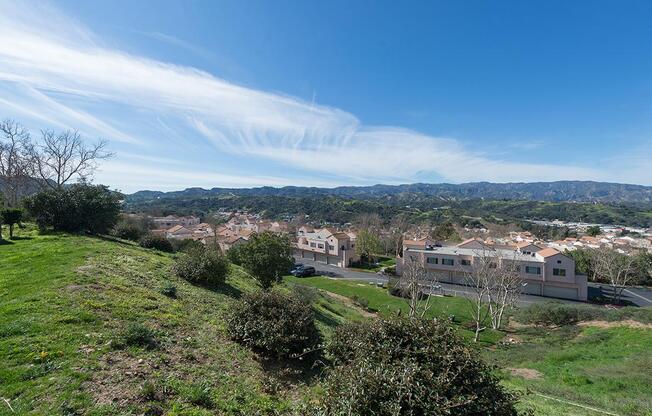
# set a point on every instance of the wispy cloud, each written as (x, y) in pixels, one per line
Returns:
(68, 78)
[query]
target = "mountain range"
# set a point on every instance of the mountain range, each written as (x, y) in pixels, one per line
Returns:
(560, 191)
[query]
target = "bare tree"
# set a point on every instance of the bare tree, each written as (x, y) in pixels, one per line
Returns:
(415, 284)
(370, 222)
(16, 163)
(616, 268)
(398, 228)
(496, 285)
(61, 157)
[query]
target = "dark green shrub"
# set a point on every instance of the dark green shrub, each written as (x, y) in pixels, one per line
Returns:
(202, 266)
(234, 254)
(273, 322)
(128, 230)
(267, 257)
(77, 208)
(408, 367)
(138, 335)
(157, 242)
(185, 245)
(169, 290)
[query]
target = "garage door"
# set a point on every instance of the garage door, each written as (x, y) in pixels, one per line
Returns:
(305, 255)
(532, 288)
(560, 292)
(322, 258)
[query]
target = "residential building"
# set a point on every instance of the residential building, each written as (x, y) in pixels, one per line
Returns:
(172, 220)
(545, 272)
(326, 245)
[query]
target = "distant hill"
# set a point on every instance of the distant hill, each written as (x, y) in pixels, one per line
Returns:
(560, 191)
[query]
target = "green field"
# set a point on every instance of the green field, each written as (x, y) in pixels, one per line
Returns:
(65, 302)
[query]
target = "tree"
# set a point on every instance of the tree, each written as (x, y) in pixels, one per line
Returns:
(413, 284)
(16, 162)
(61, 157)
(366, 245)
(78, 208)
(267, 256)
(496, 284)
(395, 367)
(444, 232)
(11, 217)
(615, 268)
(593, 230)
(398, 228)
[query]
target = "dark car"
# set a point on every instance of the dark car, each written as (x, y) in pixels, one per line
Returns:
(303, 271)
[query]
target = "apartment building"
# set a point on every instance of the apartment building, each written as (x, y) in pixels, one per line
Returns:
(170, 221)
(326, 245)
(546, 272)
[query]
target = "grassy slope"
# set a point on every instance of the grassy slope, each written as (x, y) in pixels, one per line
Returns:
(384, 304)
(604, 368)
(65, 300)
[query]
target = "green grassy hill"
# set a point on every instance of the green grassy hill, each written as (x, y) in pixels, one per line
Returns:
(68, 302)
(65, 301)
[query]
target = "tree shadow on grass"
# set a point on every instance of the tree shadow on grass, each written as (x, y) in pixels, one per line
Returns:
(291, 372)
(20, 238)
(4, 242)
(225, 289)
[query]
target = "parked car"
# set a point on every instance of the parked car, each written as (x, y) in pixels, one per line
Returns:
(303, 271)
(296, 266)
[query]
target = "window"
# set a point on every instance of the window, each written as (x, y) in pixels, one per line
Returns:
(447, 262)
(532, 270)
(432, 260)
(493, 265)
(464, 262)
(313, 245)
(320, 246)
(331, 247)
(559, 272)
(558, 261)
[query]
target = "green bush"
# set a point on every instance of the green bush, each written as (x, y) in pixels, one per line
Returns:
(169, 290)
(138, 335)
(128, 230)
(157, 242)
(185, 245)
(235, 253)
(408, 367)
(275, 323)
(203, 266)
(78, 208)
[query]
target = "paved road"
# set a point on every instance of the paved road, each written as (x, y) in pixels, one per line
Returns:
(636, 295)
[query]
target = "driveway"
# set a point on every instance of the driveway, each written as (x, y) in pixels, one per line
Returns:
(636, 295)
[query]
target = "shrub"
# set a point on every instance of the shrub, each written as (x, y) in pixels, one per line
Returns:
(185, 245)
(550, 314)
(234, 254)
(267, 256)
(157, 242)
(78, 208)
(169, 290)
(408, 367)
(128, 230)
(138, 335)
(306, 294)
(273, 322)
(202, 266)
(360, 301)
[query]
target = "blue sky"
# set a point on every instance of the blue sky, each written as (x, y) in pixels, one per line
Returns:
(236, 94)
